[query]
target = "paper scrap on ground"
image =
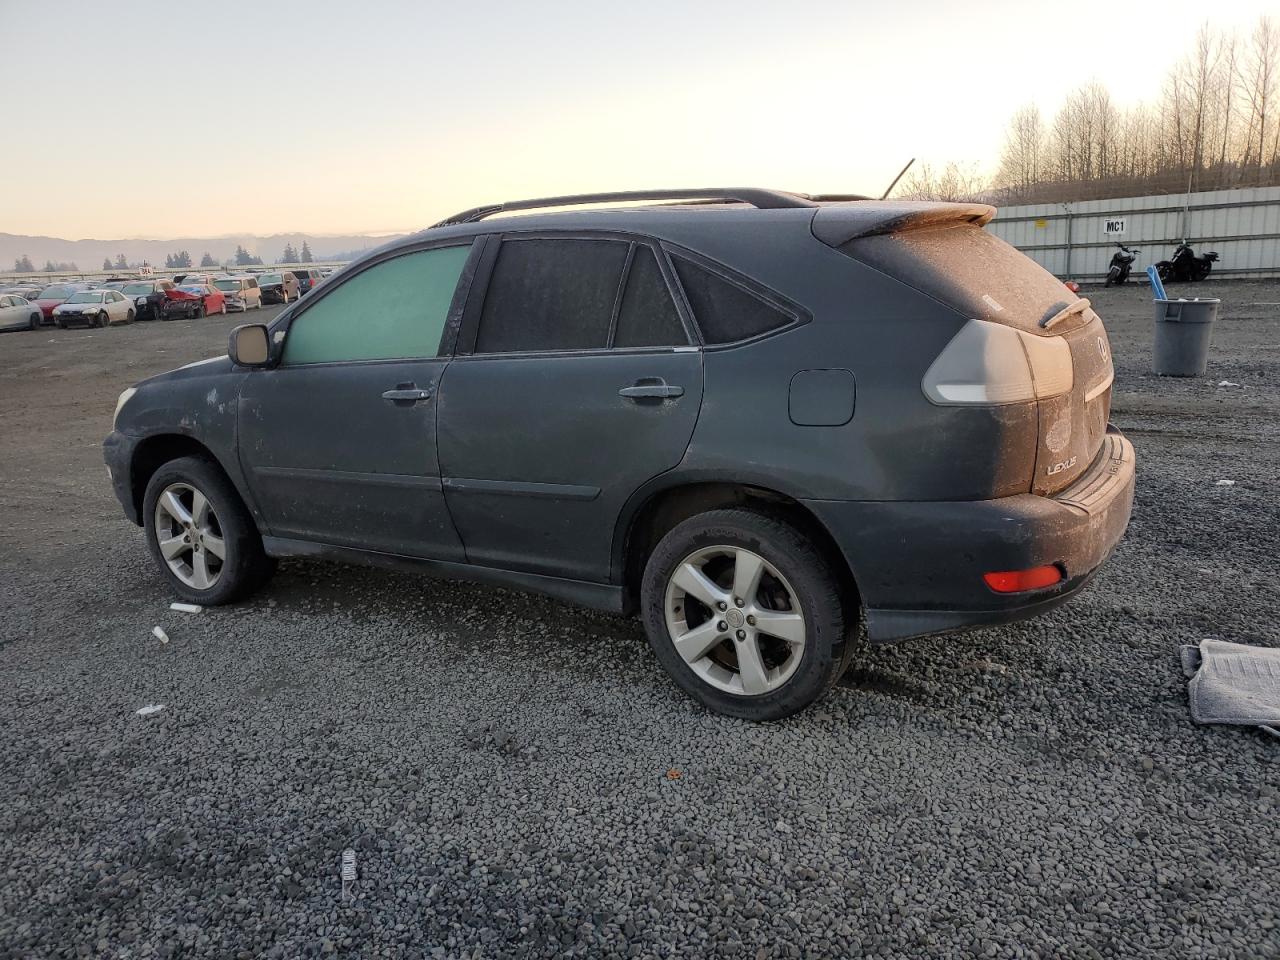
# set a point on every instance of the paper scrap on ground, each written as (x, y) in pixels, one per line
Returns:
(160, 635)
(186, 607)
(150, 708)
(1233, 683)
(1225, 483)
(1227, 383)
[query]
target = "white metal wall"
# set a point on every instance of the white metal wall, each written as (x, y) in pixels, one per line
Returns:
(1069, 240)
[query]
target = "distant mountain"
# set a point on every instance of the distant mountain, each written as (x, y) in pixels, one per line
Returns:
(89, 254)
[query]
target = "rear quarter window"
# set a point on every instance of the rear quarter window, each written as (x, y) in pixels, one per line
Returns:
(725, 311)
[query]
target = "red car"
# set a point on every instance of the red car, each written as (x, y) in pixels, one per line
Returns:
(54, 294)
(192, 300)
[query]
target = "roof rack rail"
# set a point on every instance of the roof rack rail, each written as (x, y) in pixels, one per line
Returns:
(757, 197)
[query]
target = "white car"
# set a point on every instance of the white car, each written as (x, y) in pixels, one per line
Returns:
(94, 308)
(18, 313)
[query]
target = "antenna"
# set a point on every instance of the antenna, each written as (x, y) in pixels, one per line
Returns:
(901, 174)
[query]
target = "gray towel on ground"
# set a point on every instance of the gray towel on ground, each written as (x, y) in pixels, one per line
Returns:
(1234, 683)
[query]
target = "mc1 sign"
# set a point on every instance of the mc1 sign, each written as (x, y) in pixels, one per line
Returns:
(1114, 227)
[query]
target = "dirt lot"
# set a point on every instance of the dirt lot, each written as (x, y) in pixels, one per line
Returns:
(519, 778)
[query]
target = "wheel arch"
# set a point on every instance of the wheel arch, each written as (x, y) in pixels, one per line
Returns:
(651, 514)
(157, 450)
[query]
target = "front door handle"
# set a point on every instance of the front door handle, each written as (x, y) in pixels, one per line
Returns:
(651, 388)
(406, 394)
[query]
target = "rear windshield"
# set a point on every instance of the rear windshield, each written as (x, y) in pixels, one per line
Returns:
(56, 293)
(970, 269)
(227, 284)
(270, 278)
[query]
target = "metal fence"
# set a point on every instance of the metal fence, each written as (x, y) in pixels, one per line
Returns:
(1075, 240)
(8, 278)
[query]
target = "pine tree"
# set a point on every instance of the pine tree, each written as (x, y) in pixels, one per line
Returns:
(49, 267)
(24, 265)
(305, 256)
(243, 257)
(121, 262)
(208, 261)
(106, 263)
(290, 255)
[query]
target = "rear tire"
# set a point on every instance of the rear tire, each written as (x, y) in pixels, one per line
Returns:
(129, 317)
(35, 321)
(797, 588)
(243, 568)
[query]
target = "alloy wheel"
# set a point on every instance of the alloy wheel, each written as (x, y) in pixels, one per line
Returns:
(189, 536)
(735, 620)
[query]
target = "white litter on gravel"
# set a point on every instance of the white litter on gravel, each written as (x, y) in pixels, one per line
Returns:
(348, 874)
(1224, 483)
(149, 709)
(1227, 383)
(186, 607)
(159, 634)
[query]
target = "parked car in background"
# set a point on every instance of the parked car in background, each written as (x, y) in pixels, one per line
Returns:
(308, 277)
(19, 313)
(191, 300)
(55, 294)
(279, 287)
(242, 293)
(94, 308)
(760, 428)
(148, 297)
(27, 291)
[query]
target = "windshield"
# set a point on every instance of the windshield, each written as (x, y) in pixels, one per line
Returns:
(227, 284)
(138, 288)
(269, 278)
(86, 296)
(56, 292)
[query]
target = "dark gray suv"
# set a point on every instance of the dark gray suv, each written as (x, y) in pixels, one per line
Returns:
(756, 418)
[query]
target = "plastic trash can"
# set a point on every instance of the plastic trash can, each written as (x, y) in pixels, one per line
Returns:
(1182, 336)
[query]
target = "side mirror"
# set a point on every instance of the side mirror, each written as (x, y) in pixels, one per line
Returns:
(249, 346)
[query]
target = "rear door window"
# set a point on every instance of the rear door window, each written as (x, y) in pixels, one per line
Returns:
(647, 316)
(395, 309)
(551, 294)
(726, 312)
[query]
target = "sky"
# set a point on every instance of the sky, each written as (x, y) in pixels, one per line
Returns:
(141, 119)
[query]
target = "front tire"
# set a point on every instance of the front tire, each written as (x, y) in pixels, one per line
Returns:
(35, 321)
(201, 535)
(129, 317)
(745, 614)
(103, 320)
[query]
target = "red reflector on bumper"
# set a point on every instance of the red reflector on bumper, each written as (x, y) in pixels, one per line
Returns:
(1016, 581)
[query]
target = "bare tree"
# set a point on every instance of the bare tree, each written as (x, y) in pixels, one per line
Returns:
(954, 183)
(1023, 157)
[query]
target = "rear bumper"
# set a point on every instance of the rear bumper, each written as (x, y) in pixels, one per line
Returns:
(919, 565)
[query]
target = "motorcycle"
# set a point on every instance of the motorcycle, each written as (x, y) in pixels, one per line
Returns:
(1121, 262)
(1185, 265)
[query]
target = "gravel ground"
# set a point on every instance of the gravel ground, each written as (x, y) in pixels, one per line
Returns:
(519, 778)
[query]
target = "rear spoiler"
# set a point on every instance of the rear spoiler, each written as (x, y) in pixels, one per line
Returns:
(839, 223)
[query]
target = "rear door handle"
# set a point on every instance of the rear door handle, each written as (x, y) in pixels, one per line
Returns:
(406, 394)
(651, 388)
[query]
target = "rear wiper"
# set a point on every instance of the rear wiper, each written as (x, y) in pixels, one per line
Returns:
(1068, 311)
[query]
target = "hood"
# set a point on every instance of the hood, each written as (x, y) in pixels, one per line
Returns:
(212, 367)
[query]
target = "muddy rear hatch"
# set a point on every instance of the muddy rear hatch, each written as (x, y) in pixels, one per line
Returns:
(1030, 340)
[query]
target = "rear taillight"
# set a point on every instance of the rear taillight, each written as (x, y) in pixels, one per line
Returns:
(988, 363)
(1018, 581)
